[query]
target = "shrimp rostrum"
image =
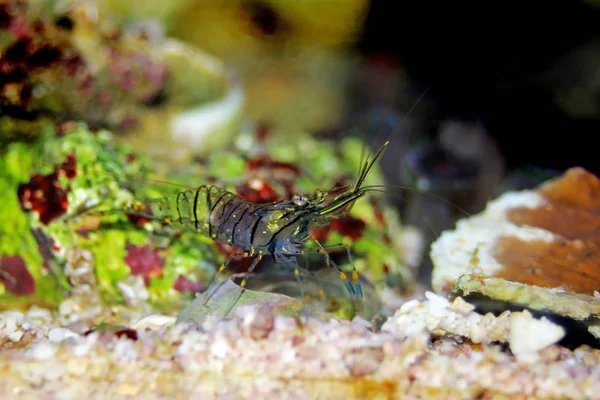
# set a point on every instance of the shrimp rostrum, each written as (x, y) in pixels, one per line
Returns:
(280, 229)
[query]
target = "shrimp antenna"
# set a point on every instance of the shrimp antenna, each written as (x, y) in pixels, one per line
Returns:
(411, 109)
(364, 170)
(159, 181)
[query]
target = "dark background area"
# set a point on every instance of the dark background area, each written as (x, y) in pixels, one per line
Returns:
(501, 64)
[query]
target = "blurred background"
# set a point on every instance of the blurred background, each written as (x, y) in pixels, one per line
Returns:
(501, 95)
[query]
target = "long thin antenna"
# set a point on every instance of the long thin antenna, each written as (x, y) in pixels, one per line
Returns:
(364, 169)
(411, 109)
(159, 181)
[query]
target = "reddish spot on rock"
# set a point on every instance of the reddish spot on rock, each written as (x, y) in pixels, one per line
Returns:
(256, 190)
(66, 128)
(108, 331)
(238, 264)
(131, 157)
(321, 233)
(137, 219)
(69, 167)
(265, 161)
(241, 265)
(183, 284)
(44, 195)
(386, 268)
(128, 333)
(349, 226)
(263, 132)
(144, 261)
(15, 277)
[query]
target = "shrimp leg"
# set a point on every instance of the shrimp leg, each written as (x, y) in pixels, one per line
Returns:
(222, 268)
(355, 277)
(244, 282)
(293, 266)
(354, 293)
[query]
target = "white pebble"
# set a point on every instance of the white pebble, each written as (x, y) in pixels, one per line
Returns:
(220, 347)
(478, 333)
(153, 321)
(16, 336)
(460, 305)
(409, 305)
(42, 351)
(434, 297)
(16, 316)
(39, 313)
(528, 334)
(60, 334)
(438, 306)
(9, 327)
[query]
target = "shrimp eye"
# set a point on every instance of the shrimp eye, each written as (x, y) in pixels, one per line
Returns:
(300, 200)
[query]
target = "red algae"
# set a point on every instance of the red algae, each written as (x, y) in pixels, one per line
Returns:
(257, 190)
(144, 261)
(44, 195)
(183, 284)
(15, 277)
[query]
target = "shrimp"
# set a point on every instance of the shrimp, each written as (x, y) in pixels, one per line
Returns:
(280, 229)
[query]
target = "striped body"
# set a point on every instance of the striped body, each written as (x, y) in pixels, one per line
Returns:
(278, 228)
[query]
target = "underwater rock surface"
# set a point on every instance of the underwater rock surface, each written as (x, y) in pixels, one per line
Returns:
(538, 249)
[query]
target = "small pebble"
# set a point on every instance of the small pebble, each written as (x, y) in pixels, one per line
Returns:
(42, 351)
(60, 334)
(154, 321)
(16, 336)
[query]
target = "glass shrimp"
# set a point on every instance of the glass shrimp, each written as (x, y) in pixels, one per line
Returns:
(280, 229)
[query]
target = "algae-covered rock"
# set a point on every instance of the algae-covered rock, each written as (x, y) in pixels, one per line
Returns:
(535, 248)
(71, 196)
(49, 233)
(59, 62)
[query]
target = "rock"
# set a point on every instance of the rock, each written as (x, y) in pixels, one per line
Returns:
(537, 249)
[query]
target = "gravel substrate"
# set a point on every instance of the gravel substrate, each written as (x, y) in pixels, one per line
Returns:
(256, 355)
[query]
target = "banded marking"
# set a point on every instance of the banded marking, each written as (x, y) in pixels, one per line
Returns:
(196, 206)
(254, 228)
(292, 222)
(236, 224)
(228, 217)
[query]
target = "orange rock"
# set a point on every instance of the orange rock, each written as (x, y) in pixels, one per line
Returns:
(571, 211)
